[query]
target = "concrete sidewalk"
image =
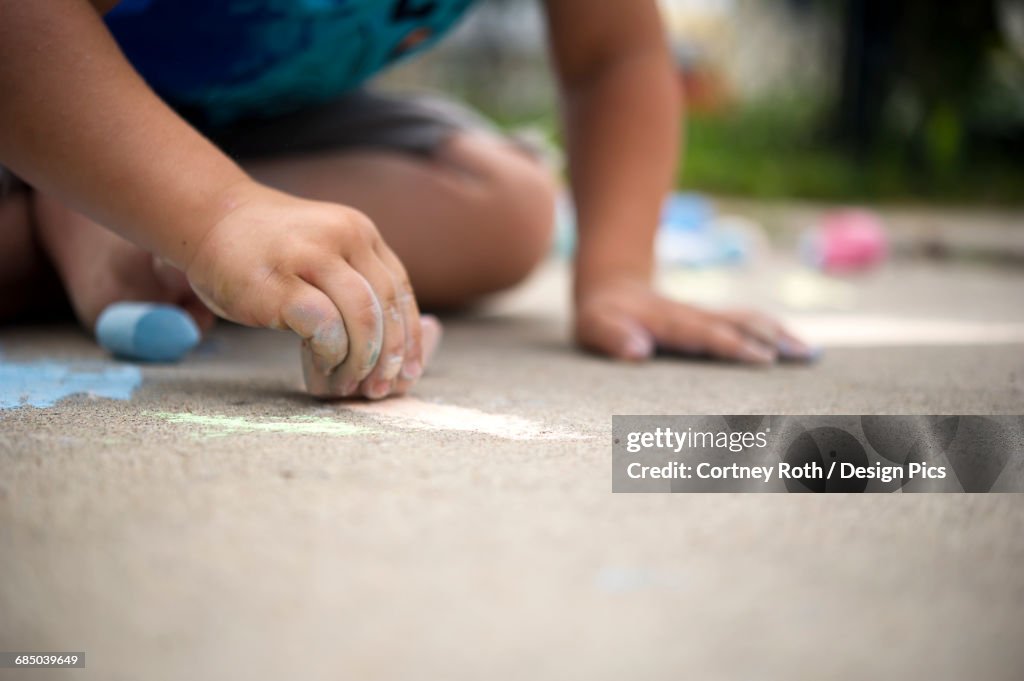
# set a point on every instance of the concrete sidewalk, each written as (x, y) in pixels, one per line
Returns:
(221, 525)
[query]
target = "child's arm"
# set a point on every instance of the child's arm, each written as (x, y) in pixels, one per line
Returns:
(79, 123)
(622, 116)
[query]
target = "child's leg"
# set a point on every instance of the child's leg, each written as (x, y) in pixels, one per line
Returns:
(17, 253)
(98, 267)
(468, 212)
(28, 286)
(474, 218)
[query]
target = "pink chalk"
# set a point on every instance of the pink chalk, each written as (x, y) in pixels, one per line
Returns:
(850, 240)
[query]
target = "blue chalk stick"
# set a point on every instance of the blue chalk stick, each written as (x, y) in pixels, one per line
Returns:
(147, 332)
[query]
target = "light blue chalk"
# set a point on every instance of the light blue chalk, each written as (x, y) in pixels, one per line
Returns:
(147, 332)
(43, 384)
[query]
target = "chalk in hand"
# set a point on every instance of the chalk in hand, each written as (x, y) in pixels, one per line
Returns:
(147, 332)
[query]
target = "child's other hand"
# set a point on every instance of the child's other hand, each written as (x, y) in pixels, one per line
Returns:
(628, 320)
(323, 271)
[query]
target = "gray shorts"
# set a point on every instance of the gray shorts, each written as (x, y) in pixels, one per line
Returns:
(364, 119)
(411, 124)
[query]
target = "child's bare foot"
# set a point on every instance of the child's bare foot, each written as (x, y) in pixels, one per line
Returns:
(98, 267)
(18, 256)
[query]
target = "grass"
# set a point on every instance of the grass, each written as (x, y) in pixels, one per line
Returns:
(775, 150)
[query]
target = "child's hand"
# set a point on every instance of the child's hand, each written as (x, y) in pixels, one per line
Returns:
(627, 319)
(323, 271)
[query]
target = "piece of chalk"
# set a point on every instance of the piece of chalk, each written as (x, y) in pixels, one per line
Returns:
(147, 332)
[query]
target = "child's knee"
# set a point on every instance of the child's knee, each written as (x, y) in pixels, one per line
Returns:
(520, 211)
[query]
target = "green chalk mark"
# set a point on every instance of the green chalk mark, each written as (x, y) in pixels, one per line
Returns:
(216, 425)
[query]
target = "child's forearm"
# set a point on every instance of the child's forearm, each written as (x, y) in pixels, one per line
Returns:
(623, 116)
(623, 151)
(78, 122)
(623, 122)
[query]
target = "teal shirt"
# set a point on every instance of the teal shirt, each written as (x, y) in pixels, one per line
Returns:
(228, 59)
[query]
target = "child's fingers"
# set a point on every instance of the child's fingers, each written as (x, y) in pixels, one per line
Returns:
(316, 319)
(684, 328)
(317, 383)
(412, 366)
(755, 324)
(431, 339)
(727, 342)
(432, 333)
(413, 362)
(793, 348)
(381, 379)
(615, 334)
(363, 319)
(772, 333)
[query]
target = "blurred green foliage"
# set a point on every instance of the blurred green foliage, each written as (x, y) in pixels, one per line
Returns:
(925, 102)
(777, 149)
(780, 149)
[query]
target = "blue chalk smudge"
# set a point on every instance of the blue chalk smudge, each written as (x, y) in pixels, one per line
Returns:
(43, 384)
(147, 332)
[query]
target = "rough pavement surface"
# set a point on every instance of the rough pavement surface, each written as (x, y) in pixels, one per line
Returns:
(220, 525)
